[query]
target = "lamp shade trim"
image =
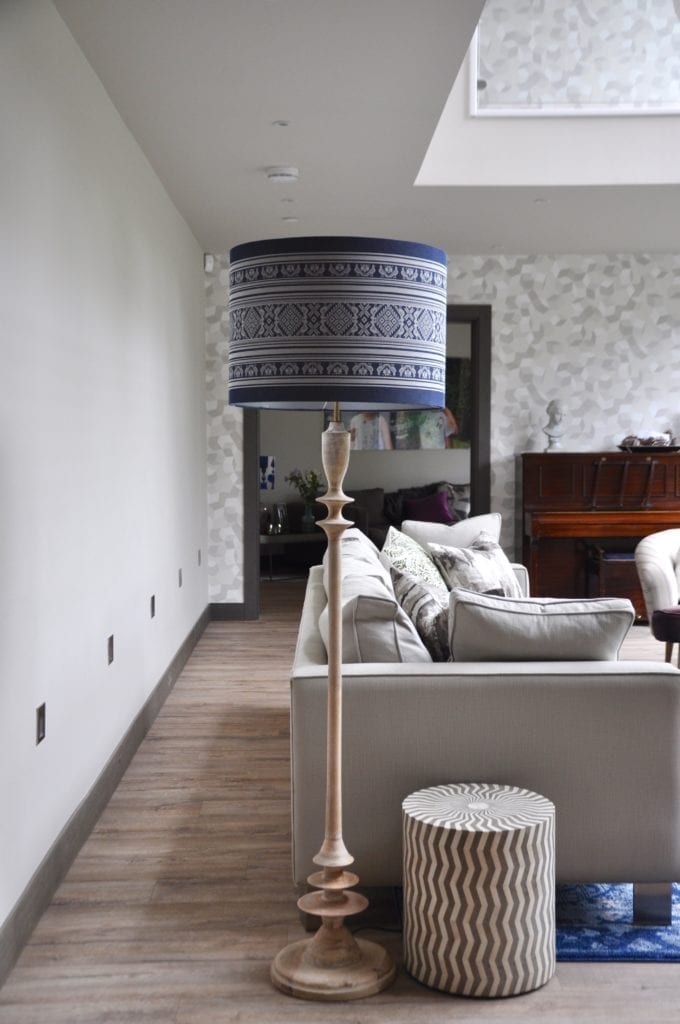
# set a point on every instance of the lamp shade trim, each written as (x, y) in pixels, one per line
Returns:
(362, 321)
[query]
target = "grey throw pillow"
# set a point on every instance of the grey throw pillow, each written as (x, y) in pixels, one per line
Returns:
(428, 609)
(486, 628)
(482, 567)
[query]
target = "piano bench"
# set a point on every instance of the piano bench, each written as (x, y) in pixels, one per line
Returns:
(613, 574)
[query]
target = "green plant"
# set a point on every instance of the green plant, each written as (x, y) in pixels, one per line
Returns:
(307, 483)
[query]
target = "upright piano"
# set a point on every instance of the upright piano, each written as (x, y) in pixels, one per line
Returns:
(583, 513)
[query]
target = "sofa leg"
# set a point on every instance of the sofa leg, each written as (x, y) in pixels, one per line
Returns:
(669, 651)
(652, 903)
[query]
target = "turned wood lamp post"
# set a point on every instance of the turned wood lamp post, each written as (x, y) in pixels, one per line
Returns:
(324, 323)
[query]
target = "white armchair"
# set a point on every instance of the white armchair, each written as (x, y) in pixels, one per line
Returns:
(657, 559)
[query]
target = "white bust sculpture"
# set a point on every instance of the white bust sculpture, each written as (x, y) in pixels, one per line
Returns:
(554, 428)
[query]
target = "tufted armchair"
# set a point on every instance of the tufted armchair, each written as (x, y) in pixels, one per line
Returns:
(657, 560)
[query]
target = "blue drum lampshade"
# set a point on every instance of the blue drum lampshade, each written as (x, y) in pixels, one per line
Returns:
(359, 321)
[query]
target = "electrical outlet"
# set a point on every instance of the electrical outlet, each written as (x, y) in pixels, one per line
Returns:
(109, 649)
(40, 724)
(152, 606)
(179, 578)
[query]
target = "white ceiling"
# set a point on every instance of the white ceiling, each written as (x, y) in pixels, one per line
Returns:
(363, 84)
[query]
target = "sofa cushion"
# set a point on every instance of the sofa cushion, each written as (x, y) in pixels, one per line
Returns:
(483, 628)
(407, 555)
(459, 535)
(432, 509)
(428, 609)
(483, 567)
(374, 626)
(360, 556)
(372, 500)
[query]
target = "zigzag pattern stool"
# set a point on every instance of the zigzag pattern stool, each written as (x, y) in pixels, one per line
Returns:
(479, 889)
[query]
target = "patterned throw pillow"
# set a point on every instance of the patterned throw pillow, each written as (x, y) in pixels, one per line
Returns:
(407, 555)
(482, 567)
(428, 609)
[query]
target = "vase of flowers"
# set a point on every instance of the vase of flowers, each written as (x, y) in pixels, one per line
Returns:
(308, 485)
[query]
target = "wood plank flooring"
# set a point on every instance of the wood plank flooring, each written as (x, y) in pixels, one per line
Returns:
(179, 900)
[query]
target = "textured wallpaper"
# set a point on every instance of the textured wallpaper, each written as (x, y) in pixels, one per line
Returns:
(627, 52)
(225, 449)
(602, 333)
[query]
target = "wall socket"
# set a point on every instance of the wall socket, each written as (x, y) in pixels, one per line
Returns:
(179, 578)
(152, 606)
(109, 649)
(40, 724)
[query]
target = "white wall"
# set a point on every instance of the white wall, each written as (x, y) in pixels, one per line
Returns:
(102, 431)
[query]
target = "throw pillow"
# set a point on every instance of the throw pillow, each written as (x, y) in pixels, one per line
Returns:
(537, 629)
(408, 556)
(428, 609)
(374, 626)
(459, 535)
(483, 566)
(432, 509)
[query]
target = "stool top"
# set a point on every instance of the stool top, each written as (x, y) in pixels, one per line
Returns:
(478, 807)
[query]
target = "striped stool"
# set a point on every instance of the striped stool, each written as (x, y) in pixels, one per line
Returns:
(479, 889)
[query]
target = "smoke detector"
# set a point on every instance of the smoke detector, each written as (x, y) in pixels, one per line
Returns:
(283, 175)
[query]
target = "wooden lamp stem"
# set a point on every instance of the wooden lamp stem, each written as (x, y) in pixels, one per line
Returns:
(333, 965)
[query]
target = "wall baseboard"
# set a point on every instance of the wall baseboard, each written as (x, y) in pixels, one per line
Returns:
(230, 612)
(35, 899)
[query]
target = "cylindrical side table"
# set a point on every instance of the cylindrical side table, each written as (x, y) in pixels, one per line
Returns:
(479, 889)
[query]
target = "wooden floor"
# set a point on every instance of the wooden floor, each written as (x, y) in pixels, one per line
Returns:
(177, 903)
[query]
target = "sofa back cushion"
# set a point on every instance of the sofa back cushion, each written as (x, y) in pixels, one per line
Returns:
(374, 626)
(434, 508)
(483, 628)
(457, 535)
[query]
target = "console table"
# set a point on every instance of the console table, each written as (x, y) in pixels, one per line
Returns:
(276, 543)
(583, 514)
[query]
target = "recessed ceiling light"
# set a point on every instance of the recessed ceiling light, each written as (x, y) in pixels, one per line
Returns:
(541, 201)
(290, 220)
(280, 124)
(287, 199)
(283, 175)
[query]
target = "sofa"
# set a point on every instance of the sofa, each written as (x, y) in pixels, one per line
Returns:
(374, 510)
(600, 738)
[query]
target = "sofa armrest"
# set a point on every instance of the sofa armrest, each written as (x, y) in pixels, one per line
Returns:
(522, 575)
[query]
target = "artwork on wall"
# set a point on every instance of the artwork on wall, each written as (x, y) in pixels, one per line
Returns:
(406, 429)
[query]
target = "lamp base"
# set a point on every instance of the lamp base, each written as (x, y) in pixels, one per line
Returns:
(293, 973)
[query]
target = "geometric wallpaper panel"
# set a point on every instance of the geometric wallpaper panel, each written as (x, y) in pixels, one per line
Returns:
(600, 332)
(225, 449)
(554, 56)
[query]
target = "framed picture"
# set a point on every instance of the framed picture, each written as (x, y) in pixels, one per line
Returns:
(408, 429)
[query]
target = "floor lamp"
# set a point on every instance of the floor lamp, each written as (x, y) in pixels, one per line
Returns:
(331, 323)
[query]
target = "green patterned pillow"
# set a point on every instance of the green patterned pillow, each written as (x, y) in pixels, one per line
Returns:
(408, 556)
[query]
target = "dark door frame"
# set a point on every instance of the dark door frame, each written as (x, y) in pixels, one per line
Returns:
(479, 319)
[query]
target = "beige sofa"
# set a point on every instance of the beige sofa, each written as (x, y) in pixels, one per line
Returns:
(601, 739)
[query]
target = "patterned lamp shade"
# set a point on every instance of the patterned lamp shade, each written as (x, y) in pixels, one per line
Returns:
(360, 321)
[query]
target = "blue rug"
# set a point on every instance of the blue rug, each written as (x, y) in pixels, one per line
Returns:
(594, 922)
